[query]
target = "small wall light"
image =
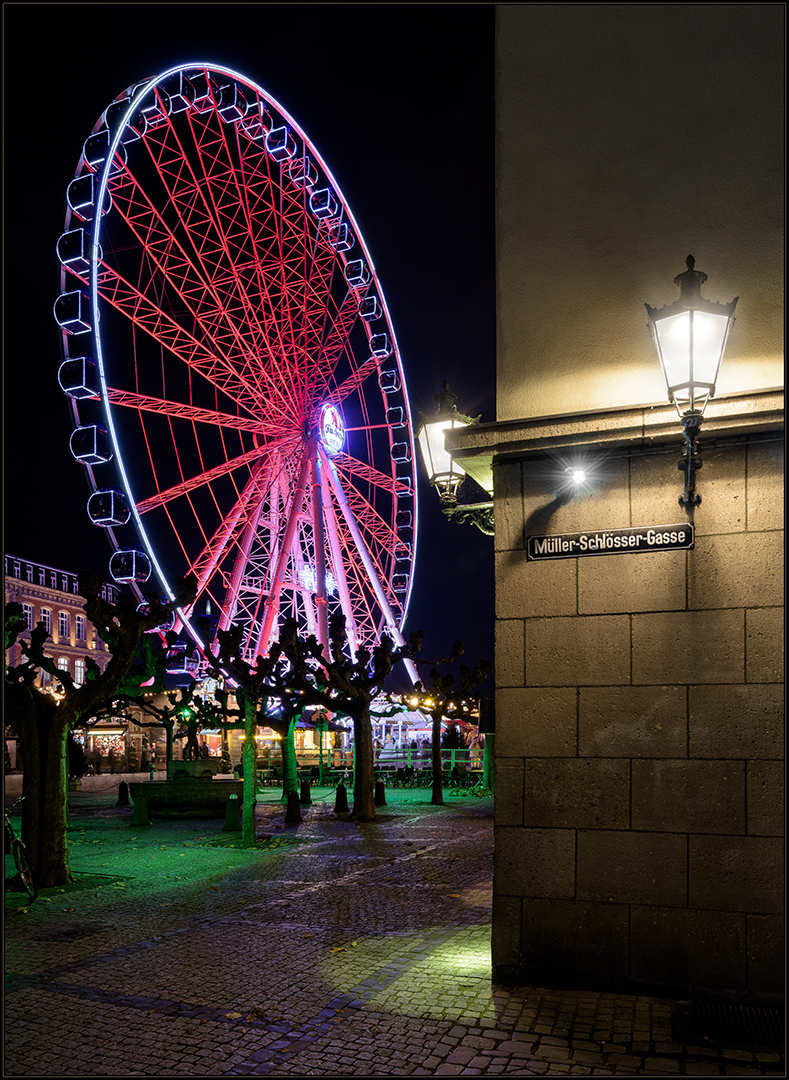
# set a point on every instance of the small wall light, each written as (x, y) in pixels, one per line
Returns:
(690, 336)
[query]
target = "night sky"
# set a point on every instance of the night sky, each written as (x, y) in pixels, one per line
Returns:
(398, 100)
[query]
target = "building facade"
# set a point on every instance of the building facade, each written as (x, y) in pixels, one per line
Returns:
(639, 701)
(50, 595)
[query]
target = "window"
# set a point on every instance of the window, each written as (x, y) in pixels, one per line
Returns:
(64, 579)
(62, 663)
(42, 576)
(79, 672)
(17, 569)
(27, 611)
(29, 571)
(79, 627)
(53, 578)
(46, 619)
(63, 624)
(46, 678)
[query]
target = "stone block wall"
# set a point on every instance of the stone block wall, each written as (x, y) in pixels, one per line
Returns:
(640, 718)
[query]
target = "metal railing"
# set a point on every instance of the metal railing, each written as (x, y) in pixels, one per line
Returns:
(390, 765)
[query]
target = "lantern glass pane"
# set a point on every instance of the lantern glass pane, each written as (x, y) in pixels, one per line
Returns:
(709, 336)
(674, 341)
(437, 460)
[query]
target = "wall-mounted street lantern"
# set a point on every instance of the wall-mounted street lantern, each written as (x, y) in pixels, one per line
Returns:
(444, 473)
(690, 336)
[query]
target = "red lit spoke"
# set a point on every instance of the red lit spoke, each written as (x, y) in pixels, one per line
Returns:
(188, 412)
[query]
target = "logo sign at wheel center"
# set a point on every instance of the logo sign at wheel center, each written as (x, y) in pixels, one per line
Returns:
(332, 430)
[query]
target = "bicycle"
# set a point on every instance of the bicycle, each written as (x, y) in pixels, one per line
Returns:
(14, 844)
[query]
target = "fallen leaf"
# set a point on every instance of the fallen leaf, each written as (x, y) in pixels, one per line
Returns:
(234, 1016)
(69, 909)
(455, 894)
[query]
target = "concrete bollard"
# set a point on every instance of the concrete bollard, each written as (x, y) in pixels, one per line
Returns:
(305, 798)
(341, 800)
(293, 812)
(232, 814)
(123, 794)
(380, 793)
(140, 813)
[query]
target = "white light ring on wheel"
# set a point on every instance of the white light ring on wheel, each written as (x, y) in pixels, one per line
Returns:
(141, 90)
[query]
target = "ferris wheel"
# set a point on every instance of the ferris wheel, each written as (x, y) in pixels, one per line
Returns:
(236, 390)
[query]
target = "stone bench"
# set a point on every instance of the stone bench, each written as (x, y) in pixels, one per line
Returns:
(187, 798)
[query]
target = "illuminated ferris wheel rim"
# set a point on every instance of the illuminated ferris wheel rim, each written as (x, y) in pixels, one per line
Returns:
(136, 95)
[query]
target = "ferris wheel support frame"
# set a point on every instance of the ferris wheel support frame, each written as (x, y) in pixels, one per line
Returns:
(320, 551)
(367, 561)
(351, 633)
(271, 606)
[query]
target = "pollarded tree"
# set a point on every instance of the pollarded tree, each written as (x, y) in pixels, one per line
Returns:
(43, 720)
(346, 686)
(168, 710)
(268, 693)
(441, 699)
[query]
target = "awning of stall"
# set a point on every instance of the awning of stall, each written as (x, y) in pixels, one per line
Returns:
(311, 725)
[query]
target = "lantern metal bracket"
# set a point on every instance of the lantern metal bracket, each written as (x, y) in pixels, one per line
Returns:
(690, 462)
(479, 514)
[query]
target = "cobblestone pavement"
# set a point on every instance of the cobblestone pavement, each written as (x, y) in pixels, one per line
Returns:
(331, 949)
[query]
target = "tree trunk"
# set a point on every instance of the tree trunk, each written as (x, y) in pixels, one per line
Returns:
(168, 726)
(31, 734)
(249, 759)
(364, 776)
(290, 771)
(45, 790)
(53, 865)
(435, 753)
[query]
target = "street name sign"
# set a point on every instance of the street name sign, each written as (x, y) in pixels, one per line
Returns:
(610, 542)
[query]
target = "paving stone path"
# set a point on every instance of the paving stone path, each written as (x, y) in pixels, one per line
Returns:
(331, 949)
